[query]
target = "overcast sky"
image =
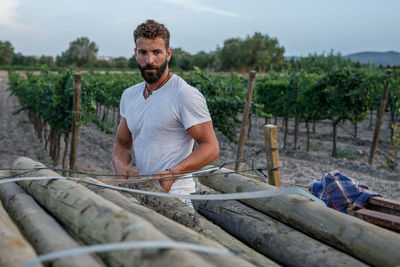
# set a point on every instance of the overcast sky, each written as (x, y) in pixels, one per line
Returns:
(37, 27)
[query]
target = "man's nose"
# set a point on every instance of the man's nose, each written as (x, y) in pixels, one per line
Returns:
(150, 59)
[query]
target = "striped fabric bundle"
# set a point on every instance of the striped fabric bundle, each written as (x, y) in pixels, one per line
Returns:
(341, 192)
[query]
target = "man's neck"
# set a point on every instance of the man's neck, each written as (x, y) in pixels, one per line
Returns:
(163, 79)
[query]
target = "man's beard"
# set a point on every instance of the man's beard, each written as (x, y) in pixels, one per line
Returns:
(152, 77)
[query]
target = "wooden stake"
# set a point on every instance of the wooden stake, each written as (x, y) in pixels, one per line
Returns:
(380, 119)
(271, 146)
(243, 132)
(75, 123)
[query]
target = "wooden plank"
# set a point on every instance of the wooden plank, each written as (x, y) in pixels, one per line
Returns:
(246, 113)
(169, 227)
(270, 237)
(96, 220)
(365, 241)
(39, 228)
(272, 154)
(14, 249)
(387, 221)
(176, 210)
(384, 205)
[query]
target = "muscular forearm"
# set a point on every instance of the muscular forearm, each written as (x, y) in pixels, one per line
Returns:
(201, 156)
(120, 156)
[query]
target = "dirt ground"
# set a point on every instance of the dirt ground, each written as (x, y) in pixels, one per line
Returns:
(17, 138)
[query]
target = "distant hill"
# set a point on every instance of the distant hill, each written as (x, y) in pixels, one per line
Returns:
(390, 58)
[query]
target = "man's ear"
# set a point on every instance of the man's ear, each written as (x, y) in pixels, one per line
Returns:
(169, 53)
(135, 53)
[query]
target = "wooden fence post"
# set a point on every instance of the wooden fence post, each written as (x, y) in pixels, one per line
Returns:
(271, 146)
(75, 123)
(243, 132)
(378, 125)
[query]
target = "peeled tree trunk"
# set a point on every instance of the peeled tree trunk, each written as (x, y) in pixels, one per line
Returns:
(367, 242)
(14, 249)
(169, 227)
(96, 220)
(176, 210)
(270, 237)
(39, 228)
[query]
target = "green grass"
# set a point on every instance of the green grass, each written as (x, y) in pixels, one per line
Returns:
(317, 146)
(346, 152)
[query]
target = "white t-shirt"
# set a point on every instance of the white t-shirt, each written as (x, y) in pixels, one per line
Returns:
(158, 125)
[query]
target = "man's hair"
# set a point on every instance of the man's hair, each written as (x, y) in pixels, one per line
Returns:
(151, 30)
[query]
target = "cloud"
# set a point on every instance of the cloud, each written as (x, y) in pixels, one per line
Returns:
(9, 17)
(198, 6)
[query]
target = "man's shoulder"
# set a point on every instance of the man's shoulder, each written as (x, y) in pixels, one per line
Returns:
(133, 89)
(184, 88)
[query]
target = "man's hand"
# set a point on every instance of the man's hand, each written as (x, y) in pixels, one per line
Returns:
(167, 181)
(122, 172)
(121, 153)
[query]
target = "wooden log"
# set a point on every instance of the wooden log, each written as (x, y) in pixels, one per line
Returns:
(96, 220)
(272, 154)
(367, 242)
(39, 228)
(381, 113)
(75, 123)
(169, 227)
(183, 214)
(14, 249)
(270, 237)
(246, 112)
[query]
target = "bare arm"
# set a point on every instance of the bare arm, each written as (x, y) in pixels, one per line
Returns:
(206, 152)
(121, 152)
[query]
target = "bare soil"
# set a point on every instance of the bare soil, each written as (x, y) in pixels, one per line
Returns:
(17, 138)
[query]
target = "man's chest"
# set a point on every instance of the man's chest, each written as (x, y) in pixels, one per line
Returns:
(152, 116)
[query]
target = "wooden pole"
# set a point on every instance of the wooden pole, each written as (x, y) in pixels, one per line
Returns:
(243, 132)
(271, 146)
(372, 244)
(381, 113)
(96, 220)
(39, 228)
(14, 249)
(270, 237)
(75, 122)
(174, 209)
(169, 227)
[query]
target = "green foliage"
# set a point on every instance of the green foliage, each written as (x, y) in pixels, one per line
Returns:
(225, 98)
(50, 97)
(259, 52)
(6, 53)
(81, 52)
(322, 63)
(393, 155)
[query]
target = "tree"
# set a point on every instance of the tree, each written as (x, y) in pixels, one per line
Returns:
(81, 52)
(181, 59)
(258, 52)
(132, 63)
(120, 62)
(6, 53)
(46, 60)
(203, 60)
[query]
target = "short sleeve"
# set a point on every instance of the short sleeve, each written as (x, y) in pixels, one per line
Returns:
(122, 104)
(193, 108)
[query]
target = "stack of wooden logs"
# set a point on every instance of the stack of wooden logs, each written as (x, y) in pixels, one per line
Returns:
(43, 216)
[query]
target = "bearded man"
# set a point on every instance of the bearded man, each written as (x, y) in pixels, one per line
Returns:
(161, 118)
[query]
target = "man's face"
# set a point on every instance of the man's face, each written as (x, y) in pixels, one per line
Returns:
(152, 58)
